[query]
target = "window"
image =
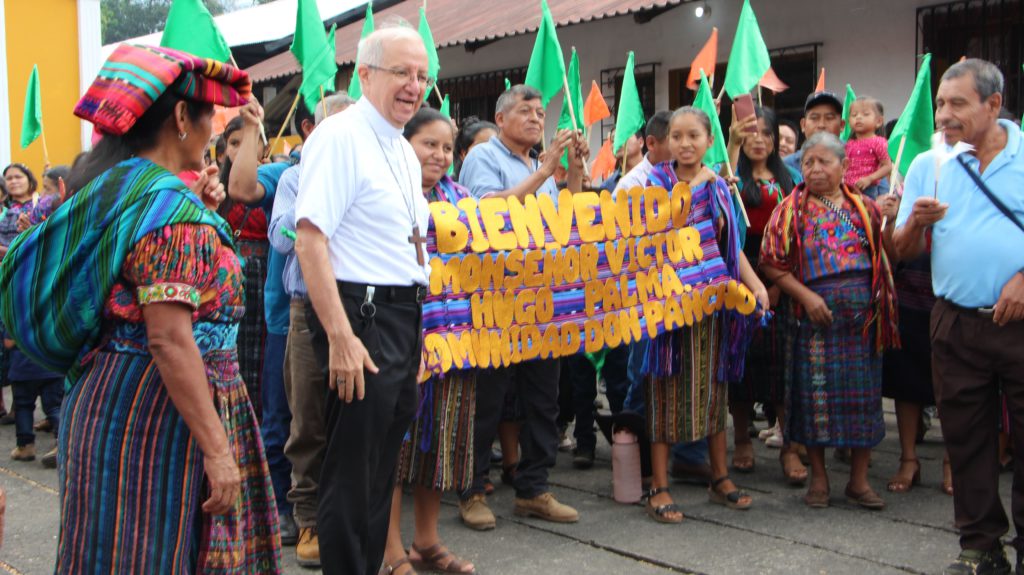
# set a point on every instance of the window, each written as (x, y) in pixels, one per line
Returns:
(611, 83)
(797, 66)
(476, 95)
(989, 29)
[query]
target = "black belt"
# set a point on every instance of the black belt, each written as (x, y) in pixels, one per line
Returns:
(386, 294)
(985, 312)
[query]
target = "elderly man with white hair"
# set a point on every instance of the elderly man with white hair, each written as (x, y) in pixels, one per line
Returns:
(361, 225)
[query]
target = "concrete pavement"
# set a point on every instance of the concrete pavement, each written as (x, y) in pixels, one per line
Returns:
(778, 535)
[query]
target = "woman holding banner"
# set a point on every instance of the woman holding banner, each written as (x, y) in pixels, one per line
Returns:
(687, 369)
(437, 454)
(824, 248)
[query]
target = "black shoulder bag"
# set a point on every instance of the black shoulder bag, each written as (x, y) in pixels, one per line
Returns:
(991, 196)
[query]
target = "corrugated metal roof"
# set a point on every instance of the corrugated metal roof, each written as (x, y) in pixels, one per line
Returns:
(458, 22)
(257, 24)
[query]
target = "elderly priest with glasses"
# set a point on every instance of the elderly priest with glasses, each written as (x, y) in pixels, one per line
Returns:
(362, 220)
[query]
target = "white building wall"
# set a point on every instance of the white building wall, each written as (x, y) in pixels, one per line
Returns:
(867, 43)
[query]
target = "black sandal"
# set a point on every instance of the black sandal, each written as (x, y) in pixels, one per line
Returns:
(508, 473)
(731, 499)
(659, 513)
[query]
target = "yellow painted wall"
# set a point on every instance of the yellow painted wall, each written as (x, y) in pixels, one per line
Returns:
(44, 32)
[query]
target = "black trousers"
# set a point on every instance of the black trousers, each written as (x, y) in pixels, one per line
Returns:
(536, 384)
(584, 391)
(972, 358)
(364, 437)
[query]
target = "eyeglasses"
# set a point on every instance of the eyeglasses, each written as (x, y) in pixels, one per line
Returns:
(404, 75)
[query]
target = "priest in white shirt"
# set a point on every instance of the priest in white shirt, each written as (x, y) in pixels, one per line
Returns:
(361, 225)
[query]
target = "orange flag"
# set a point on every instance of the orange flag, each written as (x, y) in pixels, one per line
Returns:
(595, 108)
(705, 60)
(604, 163)
(771, 81)
(821, 82)
(221, 117)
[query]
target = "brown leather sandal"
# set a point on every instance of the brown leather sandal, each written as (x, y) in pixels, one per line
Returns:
(792, 468)
(743, 462)
(433, 559)
(390, 568)
(900, 483)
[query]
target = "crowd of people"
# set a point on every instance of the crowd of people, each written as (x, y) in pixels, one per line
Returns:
(230, 351)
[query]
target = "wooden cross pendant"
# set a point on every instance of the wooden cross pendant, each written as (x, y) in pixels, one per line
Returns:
(419, 242)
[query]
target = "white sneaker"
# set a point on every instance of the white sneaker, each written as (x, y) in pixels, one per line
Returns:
(776, 440)
(766, 433)
(566, 444)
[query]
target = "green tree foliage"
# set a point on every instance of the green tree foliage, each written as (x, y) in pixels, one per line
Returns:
(124, 19)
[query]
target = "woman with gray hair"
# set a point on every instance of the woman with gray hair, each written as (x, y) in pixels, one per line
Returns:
(824, 248)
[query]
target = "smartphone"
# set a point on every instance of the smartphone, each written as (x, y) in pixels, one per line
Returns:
(744, 106)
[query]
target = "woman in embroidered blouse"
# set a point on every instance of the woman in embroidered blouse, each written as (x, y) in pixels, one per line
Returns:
(764, 182)
(21, 184)
(160, 461)
(437, 454)
(824, 249)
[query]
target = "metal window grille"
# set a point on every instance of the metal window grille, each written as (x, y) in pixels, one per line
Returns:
(611, 84)
(989, 29)
(477, 94)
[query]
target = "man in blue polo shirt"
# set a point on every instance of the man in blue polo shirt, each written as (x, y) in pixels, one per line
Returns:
(507, 165)
(977, 330)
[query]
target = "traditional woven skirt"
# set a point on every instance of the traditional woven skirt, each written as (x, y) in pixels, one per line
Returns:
(835, 394)
(252, 331)
(132, 481)
(692, 404)
(762, 376)
(438, 450)
(907, 372)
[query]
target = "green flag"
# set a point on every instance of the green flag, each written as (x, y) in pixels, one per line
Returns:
(575, 96)
(847, 104)
(332, 47)
(433, 63)
(547, 67)
(629, 116)
(190, 28)
(508, 85)
(917, 122)
(717, 153)
(32, 118)
(313, 51)
(354, 89)
(748, 60)
(446, 107)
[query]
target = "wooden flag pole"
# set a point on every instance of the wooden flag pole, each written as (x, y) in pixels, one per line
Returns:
(323, 102)
(736, 193)
(46, 153)
(720, 94)
(284, 124)
(568, 100)
(895, 174)
(263, 132)
(440, 100)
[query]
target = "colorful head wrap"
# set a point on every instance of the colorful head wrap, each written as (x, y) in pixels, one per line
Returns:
(133, 77)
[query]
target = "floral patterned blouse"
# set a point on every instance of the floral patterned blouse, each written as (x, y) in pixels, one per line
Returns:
(184, 263)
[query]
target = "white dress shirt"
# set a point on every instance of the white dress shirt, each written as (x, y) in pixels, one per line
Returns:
(358, 181)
